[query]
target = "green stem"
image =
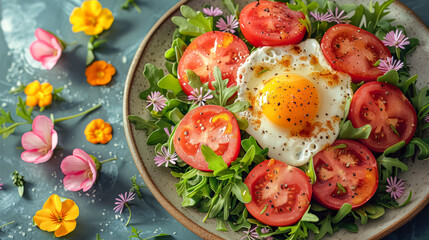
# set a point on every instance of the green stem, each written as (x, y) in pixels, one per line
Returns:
(398, 53)
(136, 6)
(6, 224)
(107, 160)
(129, 217)
(13, 126)
(77, 115)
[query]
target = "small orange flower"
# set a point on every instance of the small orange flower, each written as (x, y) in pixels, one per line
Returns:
(57, 216)
(99, 73)
(38, 94)
(98, 131)
(91, 18)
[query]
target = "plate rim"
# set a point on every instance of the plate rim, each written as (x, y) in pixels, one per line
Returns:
(165, 203)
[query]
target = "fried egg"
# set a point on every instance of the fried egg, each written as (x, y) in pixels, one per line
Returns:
(297, 100)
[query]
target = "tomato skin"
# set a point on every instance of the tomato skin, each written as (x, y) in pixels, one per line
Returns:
(284, 191)
(267, 23)
(354, 167)
(354, 51)
(209, 125)
(208, 50)
(382, 105)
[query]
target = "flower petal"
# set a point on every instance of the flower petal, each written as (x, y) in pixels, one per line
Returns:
(83, 155)
(45, 220)
(54, 139)
(70, 210)
(53, 204)
(31, 155)
(74, 182)
(65, 228)
(87, 184)
(72, 165)
(44, 158)
(43, 35)
(43, 126)
(32, 141)
(40, 49)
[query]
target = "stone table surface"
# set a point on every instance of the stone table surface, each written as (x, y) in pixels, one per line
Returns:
(18, 21)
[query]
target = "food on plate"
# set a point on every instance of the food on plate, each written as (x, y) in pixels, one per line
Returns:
(209, 125)
(281, 193)
(208, 50)
(390, 114)
(297, 100)
(333, 118)
(346, 172)
(266, 23)
(354, 51)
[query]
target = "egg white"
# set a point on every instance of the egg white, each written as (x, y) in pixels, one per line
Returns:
(306, 60)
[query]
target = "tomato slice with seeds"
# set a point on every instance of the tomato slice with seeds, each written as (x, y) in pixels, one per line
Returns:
(209, 125)
(346, 172)
(266, 23)
(208, 50)
(390, 114)
(281, 194)
(354, 51)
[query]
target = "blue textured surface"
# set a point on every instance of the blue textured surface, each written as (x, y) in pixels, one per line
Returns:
(19, 19)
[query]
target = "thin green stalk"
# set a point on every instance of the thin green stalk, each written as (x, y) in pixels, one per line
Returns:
(107, 160)
(129, 217)
(136, 6)
(13, 126)
(6, 224)
(77, 115)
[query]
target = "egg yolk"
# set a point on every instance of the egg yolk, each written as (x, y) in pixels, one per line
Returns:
(290, 101)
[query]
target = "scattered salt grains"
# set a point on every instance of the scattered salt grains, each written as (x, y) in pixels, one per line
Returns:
(92, 201)
(174, 233)
(19, 227)
(3, 105)
(102, 230)
(124, 59)
(10, 236)
(111, 233)
(29, 229)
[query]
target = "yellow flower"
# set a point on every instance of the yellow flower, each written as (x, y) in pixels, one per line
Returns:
(38, 94)
(99, 73)
(91, 18)
(57, 216)
(98, 131)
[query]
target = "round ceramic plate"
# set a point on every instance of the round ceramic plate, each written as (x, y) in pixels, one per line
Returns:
(161, 182)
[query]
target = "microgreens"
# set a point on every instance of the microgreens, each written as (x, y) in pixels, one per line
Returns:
(18, 180)
(127, 3)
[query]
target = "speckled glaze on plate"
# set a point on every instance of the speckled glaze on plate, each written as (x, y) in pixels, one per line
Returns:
(160, 181)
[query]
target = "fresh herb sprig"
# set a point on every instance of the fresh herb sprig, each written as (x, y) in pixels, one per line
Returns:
(136, 234)
(127, 3)
(135, 187)
(18, 180)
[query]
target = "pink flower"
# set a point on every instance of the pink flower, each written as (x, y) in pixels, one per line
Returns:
(80, 171)
(39, 144)
(46, 49)
(228, 26)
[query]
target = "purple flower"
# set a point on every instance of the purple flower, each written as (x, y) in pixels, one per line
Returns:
(251, 234)
(199, 96)
(427, 118)
(321, 17)
(157, 100)
(396, 39)
(165, 157)
(390, 64)
(228, 26)
(169, 131)
(212, 12)
(395, 188)
(337, 17)
(266, 230)
(123, 200)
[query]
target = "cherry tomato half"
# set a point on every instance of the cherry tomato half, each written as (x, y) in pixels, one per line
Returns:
(266, 23)
(354, 51)
(390, 114)
(209, 125)
(346, 173)
(280, 193)
(208, 50)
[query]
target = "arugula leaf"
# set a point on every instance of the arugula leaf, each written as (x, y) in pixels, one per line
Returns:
(347, 131)
(143, 124)
(23, 111)
(222, 92)
(153, 75)
(344, 211)
(392, 77)
(325, 227)
(98, 237)
(127, 3)
(232, 7)
(238, 106)
(192, 23)
(92, 44)
(159, 135)
(56, 96)
(379, 211)
(170, 82)
(389, 163)
(216, 163)
(374, 14)
(241, 191)
(422, 144)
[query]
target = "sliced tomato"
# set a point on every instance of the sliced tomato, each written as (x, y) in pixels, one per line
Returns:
(280, 193)
(209, 125)
(346, 173)
(390, 114)
(208, 50)
(354, 51)
(266, 23)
